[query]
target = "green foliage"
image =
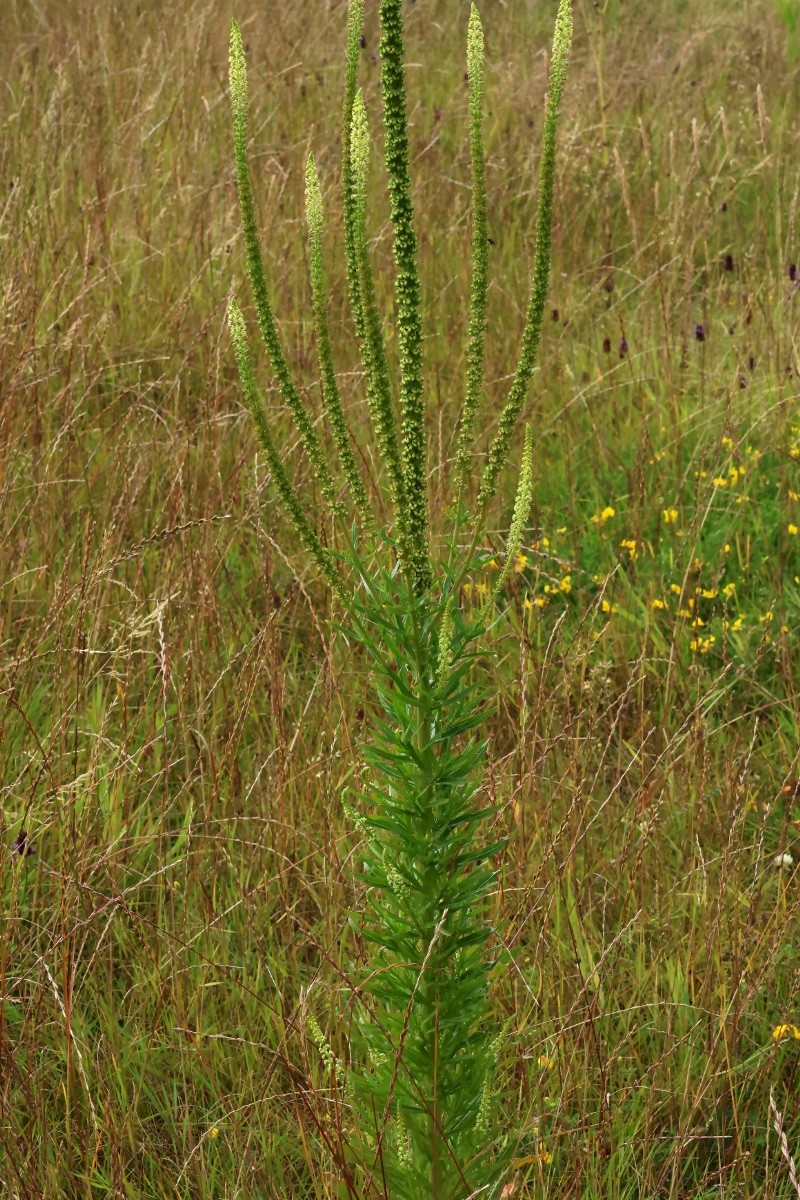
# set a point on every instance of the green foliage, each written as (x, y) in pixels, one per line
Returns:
(422, 1011)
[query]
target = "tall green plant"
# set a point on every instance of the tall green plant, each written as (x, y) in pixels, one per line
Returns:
(420, 1085)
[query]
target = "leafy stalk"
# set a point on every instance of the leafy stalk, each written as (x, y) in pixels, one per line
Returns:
(423, 1099)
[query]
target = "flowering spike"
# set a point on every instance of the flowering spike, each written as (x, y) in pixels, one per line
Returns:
(445, 656)
(498, 453)
(330, 389)
(522, 508)
(407, 290)
(255, 271)
(480, 253)
(302, 525)
(379, 390)
(355, 24)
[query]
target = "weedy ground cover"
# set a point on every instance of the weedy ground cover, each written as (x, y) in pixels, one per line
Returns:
(178, 722)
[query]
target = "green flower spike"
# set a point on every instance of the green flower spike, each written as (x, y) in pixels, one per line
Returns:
(522, 508)
(379, 388)
(330, 388)
(480, 256)
(255, 271)
(407, 290)
(498, 454)
(355, 24)
(302, 525)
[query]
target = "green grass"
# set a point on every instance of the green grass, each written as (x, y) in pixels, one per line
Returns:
(177, 720)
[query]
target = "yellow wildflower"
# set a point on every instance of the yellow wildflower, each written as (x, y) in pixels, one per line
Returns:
(727, 443)
(521, 562)
(657, 603)
(608, 607)
(709, 593)
(546, 1062)
(728, 590)
(670, 516)
(794, 495)
(791, 529)
(719, 481)
(566, 584)
(600, 518)
(629, 544)
(675, 588)
(782, 1031)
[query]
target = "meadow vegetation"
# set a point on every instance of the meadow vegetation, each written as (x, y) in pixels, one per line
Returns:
(179, 721)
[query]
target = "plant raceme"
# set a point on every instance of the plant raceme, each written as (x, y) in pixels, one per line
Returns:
(419, 1094)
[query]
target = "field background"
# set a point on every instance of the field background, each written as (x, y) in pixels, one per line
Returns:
(177, 721)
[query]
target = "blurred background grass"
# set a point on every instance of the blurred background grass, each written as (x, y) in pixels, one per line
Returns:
(177, 721)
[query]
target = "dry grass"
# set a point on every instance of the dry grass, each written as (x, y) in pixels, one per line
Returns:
(177, 720)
